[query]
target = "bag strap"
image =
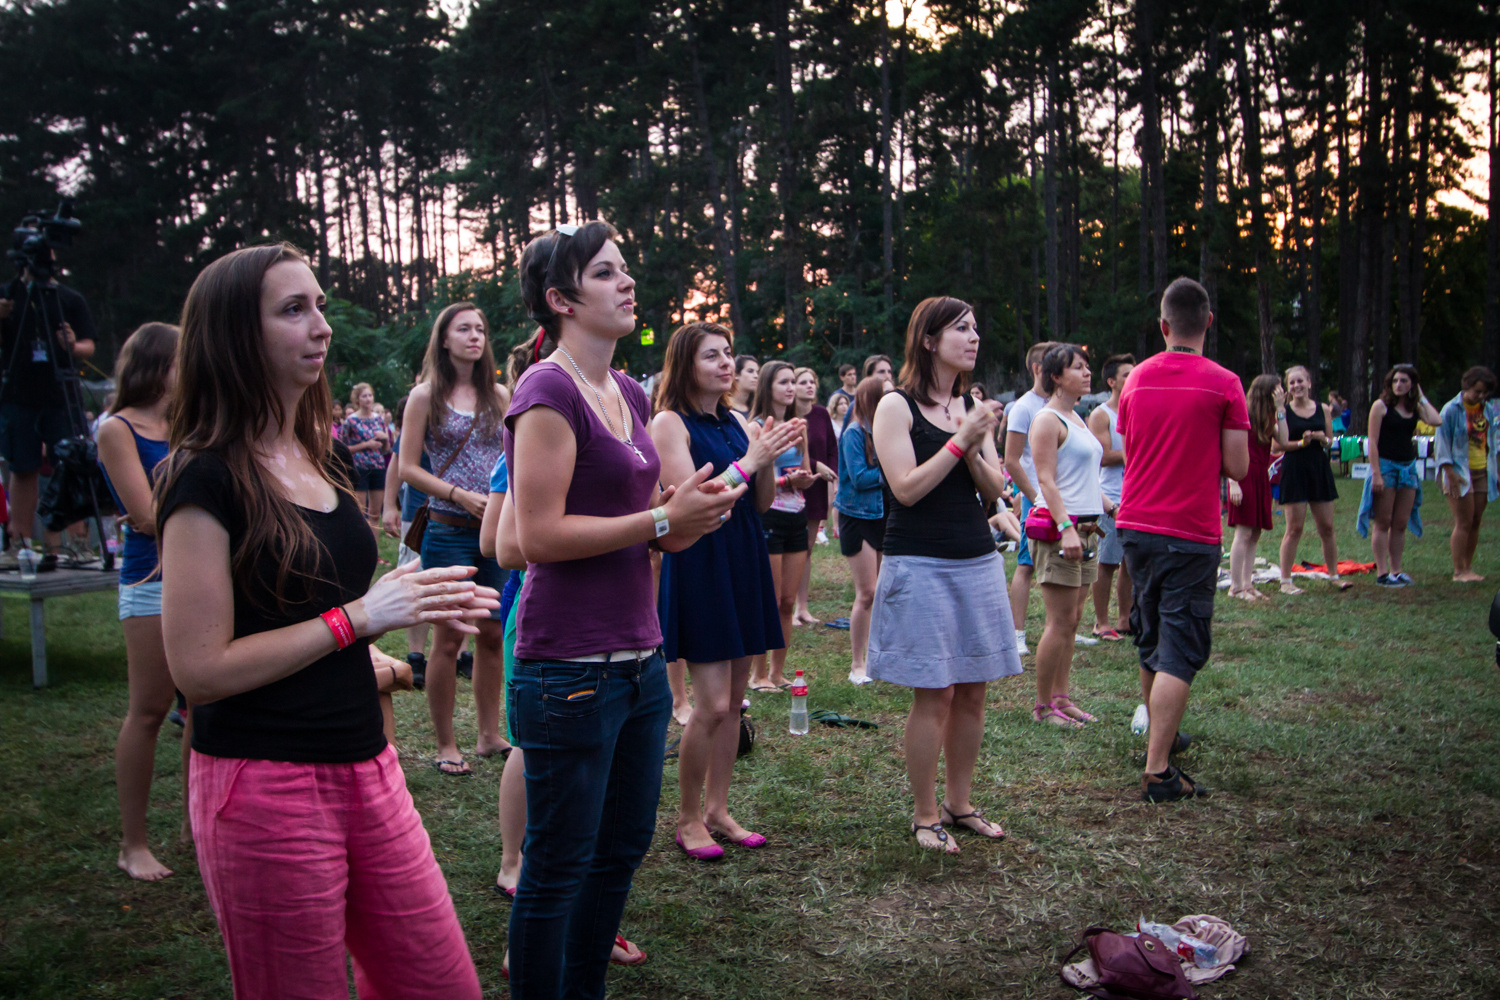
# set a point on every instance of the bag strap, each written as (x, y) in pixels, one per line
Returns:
(459, 450)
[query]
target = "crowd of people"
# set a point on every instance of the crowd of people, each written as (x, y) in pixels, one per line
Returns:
(616, 560)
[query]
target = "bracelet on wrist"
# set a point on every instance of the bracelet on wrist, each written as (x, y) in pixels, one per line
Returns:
(955, 449)
(659, 516)
(732, 476)
(1065, 524)
(338, 623)
(451, 489)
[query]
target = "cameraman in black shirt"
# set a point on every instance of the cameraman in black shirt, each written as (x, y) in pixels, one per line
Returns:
(33, 409)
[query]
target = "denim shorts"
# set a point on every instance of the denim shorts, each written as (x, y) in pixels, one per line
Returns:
(1110, 552)
(366, 480)
(140, 600)
(448, 545)
(1400, 475)
(1023, 551)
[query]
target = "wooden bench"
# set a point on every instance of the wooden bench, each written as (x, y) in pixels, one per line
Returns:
(58, 583)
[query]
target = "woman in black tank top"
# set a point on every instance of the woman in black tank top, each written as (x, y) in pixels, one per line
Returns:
(941, 623)
(1393, 491)
(1304, 431)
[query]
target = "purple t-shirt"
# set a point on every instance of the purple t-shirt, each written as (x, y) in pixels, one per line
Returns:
(604, 603)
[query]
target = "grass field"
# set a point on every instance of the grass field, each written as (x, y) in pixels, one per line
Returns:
(1349, 739)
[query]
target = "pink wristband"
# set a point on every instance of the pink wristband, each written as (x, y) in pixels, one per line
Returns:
(741, 471)
(338, 623)
(957, 451)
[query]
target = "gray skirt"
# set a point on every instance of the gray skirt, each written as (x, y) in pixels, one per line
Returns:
(939, 622)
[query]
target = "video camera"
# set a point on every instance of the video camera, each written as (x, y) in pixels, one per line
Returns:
(33, 241)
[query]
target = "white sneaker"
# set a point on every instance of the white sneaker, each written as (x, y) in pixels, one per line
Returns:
(822, 537)
(1085, 640)
(866, 679)
(1021, 643)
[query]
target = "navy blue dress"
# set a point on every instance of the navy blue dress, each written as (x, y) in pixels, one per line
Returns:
(716, 600)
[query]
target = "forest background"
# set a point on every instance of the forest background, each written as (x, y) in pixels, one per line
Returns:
(804, 172)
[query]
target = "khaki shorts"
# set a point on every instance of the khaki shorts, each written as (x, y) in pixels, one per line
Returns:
(1051, 567)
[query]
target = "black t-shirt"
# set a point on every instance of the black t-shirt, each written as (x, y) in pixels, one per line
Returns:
(329, 711)
(28, 381)
(948, 522)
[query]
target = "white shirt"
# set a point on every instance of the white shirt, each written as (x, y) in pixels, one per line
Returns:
(1018, 417)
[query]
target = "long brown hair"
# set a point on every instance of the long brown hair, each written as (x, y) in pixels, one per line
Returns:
(762, 406)
(867, 397)
(223, 404)
(142, 367)
(437, 369)
(918, 373)
(1261, 401)
(1413, 396)
(677, 388)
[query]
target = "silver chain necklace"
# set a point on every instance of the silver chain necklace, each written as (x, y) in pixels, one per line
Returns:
(619, 435)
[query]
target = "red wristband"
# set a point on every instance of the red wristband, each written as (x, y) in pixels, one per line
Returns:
(957, 451)
(338, 623)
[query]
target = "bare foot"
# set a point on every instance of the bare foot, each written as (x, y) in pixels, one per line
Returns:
(682, 713)
(506, 882)
(626, 956)
(804, 617)
(1468, 576)
(1248, 594)
(780, 681)
(694, 835)
(139, 863)
(725, 826)
(928, 838)
(489, 748)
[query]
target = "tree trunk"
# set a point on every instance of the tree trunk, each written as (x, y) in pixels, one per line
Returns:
(1049, 196)
(1492, 240)
(722, 242)
(887, 231)
(786, 179)
(1312, 311)
(1416, 268)
(1153, 174)
(1208, 263)
(1249, 89)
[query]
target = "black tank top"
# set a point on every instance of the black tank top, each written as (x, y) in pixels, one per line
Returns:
(1395, 442)
(1297, 425)
(947, 523)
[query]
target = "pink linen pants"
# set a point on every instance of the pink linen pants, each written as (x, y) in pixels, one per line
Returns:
(305, 862)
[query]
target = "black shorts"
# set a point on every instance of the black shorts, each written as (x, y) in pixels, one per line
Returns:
(785, 532)
(1175, 581)
(369, 479)
(855, 531)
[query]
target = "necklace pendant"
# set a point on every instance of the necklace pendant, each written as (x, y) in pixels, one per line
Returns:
(638, 453)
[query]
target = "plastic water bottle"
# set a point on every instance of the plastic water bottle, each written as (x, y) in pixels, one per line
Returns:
(799, 705)
(28, 559)
(1141, 720)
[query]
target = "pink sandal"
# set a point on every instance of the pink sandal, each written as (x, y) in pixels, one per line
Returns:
(1067, 703)
(1043, 713)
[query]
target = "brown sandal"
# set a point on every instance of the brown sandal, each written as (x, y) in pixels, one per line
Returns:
(956, 821)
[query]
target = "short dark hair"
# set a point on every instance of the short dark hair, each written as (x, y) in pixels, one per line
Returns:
(845, 369)
(1186, 307)
(1056, 361)
(741, 360)
(547, 263)
(1113, 362)
(1038, 351)
(1476, 375)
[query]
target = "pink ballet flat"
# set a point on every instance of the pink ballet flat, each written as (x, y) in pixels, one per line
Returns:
(749, 840)
(713, 852)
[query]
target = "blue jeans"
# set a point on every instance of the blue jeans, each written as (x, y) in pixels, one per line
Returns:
(594, 735)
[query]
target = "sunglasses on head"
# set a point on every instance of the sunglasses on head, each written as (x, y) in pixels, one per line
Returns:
(563, 232)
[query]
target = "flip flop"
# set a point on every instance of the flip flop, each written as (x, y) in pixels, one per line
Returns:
(828, 718)
(1108, 635)
(768, 689)
(840, 623)
(467, 770)
(625, 946)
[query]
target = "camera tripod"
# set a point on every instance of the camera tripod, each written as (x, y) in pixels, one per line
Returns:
(42, 299)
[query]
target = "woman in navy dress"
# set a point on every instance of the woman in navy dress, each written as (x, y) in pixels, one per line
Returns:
(717, 602)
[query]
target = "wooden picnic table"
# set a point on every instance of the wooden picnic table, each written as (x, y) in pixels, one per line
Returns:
(58, 583)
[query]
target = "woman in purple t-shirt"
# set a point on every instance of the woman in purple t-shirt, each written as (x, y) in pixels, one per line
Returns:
(587, 695)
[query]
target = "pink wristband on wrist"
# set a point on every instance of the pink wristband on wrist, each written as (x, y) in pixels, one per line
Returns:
(338, 623)
(957, 451)
(743, 474)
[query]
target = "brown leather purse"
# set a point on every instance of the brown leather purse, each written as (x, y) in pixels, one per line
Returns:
(418, 529)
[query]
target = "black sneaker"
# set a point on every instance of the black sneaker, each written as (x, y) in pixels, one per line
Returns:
(1169, 786)
(466, 665)
(48, 563)
(1387, 580)
(418, 670)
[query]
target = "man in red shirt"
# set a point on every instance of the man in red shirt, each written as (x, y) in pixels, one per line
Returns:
(1185, 424)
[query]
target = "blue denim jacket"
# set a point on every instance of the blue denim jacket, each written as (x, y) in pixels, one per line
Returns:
(1452, 441)
(860, 482)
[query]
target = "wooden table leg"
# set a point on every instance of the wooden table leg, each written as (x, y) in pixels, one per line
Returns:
(38, 645)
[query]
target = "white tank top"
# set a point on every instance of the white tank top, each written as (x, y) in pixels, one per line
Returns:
(1078, 459)
(1112, 477)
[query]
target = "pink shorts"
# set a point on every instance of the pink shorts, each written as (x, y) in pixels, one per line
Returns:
(305, 863)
